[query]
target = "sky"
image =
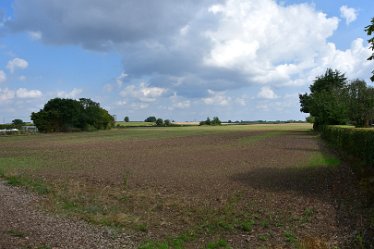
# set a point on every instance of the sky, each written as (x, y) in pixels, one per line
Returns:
(178, 60)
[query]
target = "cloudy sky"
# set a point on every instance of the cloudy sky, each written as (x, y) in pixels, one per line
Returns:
(183, 60)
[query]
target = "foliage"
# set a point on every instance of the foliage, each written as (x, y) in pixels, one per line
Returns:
(18, 123)
(356, 142)
(159, 122)
(60, 115)
(208, 121)
(167, 122)
(150, 119)
(126, 119)
(361, 103)
(310, 119)
(370, 30)
(326, 102)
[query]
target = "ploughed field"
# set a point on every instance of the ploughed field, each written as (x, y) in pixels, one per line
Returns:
(247, 186)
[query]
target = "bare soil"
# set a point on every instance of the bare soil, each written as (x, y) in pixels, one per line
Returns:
(211, 185)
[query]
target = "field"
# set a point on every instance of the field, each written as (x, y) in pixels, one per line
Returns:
(248, 186)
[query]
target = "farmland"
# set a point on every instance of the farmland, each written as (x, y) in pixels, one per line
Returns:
(248, 186)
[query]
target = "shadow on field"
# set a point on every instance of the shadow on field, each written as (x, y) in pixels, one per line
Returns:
(334, 185)
(314, 182)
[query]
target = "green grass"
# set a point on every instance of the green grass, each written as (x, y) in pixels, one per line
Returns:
(35, 185)
(319, 159)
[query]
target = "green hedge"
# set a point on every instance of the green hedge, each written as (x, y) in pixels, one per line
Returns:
(356, 142)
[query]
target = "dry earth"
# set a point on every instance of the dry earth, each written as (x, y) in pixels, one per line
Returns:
(255, 189)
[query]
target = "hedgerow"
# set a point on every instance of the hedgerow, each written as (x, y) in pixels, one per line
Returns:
(355, 142)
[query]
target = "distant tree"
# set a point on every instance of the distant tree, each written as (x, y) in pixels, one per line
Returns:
(150, 119)
(159, 122)
(215, 121)
(208, 121)
(229, 121)
(327, 99)
(361, 103)
(68, 115)
(126, 119)
(18, 122)
(370, 30)
(167, 122)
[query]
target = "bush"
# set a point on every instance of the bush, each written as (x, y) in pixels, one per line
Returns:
(159, 122)
(356, 142)
(167, 122)
(150, 119)
(126, 119)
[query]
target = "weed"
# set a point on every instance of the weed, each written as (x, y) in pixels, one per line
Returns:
(218, 244)
(142, 227)
(247, 226)
(290, 237)
(307, 215)
(263, 237)
(16, 233)
(264, 223)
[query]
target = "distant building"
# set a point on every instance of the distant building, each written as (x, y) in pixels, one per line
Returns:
(30, 129)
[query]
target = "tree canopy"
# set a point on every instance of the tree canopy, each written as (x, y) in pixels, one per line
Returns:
(326, 99)
(333, 101)
(59, 115)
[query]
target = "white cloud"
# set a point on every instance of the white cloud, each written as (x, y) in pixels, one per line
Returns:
(6, 94)
(216, 98)
(349, 14)
(35, 35)
(179, 102)
(277, 47)
(267, 93)
(17, 63)
(69, 95)
(143, 92)
(23, 93)
(2, 76)
(120, 79)
(22, 78)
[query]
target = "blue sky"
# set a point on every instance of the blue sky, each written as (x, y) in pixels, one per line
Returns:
(236, 59)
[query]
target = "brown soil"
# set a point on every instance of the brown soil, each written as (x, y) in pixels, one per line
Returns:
(174, 184)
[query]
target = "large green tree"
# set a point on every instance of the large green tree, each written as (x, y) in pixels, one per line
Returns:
(361, 103)
(370, 30)
(69, 115)
(327, 99)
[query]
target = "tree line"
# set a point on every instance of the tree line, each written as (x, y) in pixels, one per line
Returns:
(333, 100)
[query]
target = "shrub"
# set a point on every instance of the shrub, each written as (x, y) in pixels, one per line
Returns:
(159, 122)
(353, 141)
(126, 119)
(167, 122)
(150, 119)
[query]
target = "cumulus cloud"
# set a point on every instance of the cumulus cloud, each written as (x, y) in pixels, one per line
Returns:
(267, 93)
(121, 78)
(2, 76)
(216, 98)
(73, 94)
(349, 14)
(6, 94)
(23, 93)
(199, 49)
(143, 92)
(17, 63)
